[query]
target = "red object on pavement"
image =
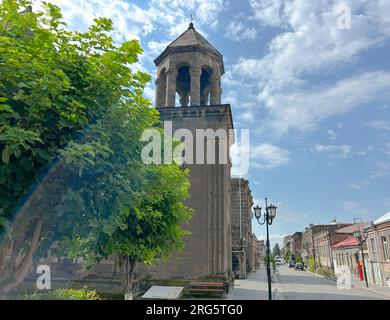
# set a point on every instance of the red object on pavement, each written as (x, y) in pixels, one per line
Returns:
(360, 270)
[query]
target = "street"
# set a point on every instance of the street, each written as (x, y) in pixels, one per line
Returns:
(291, 284)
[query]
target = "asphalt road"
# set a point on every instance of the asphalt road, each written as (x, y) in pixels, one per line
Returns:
(303, 285)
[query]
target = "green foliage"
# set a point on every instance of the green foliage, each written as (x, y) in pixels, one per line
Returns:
(276, 250)
(310, 264)
(64, 294)
(287, 255)
(54, 83)
(326, 273)
(272, 262)
(71, 103)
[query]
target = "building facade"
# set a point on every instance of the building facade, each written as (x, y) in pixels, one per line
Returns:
(297, 245)
(288, 244)
(188, 97)
(378, 245)
(316, 242)
(330, 235)
(258, 252)
(241, 227)
(348, 253)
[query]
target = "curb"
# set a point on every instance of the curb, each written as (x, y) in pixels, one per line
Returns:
(322, 276)
(380, 294)
(354, 286)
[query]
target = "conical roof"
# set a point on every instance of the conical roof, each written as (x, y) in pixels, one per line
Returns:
(192, 38)
(189, 39)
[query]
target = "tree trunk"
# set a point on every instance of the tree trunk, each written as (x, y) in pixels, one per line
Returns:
(115, 266)
(21, 271)
(127, 266)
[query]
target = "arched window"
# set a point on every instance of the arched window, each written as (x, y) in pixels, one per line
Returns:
(205, 85)
(183, 84)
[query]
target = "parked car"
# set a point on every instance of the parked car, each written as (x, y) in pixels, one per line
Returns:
(299, 266)
(280, 262)
(291, 264)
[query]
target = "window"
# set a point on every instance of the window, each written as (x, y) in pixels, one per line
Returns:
(385, 249)
(373, 245)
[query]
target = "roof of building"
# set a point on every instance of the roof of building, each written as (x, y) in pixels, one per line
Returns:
(383, 219)
(349, 242)
(352, 228)
(191, 37)
(297, 234)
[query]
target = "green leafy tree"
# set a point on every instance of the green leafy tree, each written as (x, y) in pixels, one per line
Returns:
(71, 117)
(276, 250)
(311, 264)
(287, 255)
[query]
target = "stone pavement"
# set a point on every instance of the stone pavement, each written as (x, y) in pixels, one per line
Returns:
(383, 291)
(253, 288)
(291, 284)
(303, 285)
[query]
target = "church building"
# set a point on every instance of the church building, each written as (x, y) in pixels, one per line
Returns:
(188, 94)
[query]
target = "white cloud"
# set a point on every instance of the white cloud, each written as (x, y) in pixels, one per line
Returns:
(268, 12)
(237, 31)
(379, 124)
(354, 208)
(386, 149)
(342, 151)
(332, 135)
(132, 21)
(309, 45)
(149, 94)
(246, 116)
(157, 47)
(381, 170)
(274, 238)
(267, 156)
(262, 156)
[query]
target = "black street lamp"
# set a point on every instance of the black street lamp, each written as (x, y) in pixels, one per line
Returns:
(267, 218)
(358, 235)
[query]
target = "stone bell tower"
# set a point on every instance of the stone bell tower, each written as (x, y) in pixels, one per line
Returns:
(188, 95)
(191, 67)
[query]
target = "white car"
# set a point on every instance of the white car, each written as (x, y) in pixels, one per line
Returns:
(280, 262)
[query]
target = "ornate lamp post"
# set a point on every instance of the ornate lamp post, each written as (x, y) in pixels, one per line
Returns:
(358, 235)
(267, 218)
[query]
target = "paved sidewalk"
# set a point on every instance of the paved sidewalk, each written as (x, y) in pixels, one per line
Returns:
(253, 288)
(383, 291)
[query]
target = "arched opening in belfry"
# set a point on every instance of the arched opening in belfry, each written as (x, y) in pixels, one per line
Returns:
(183, 84)
(205, 85)
(162, 88)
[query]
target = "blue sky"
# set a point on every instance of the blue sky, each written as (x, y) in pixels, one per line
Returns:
(315, 97)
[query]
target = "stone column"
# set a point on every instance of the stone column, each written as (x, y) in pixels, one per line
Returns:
(158, 94)
(184, 100)
(195, 85)
(215, 92)
(171, 87)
